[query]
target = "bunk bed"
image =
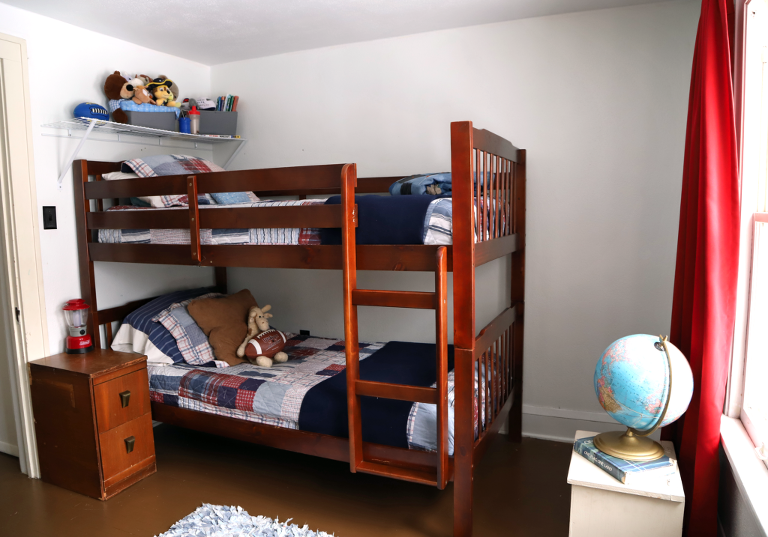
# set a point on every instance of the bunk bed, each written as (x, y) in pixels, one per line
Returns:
(488, 181)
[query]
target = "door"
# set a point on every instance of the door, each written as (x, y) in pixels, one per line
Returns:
(23, 328)
(9, 423)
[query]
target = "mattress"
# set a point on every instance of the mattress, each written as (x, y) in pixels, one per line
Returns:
(308, 392)
(418, 221)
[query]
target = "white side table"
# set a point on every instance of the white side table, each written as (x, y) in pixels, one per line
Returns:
(603, 506)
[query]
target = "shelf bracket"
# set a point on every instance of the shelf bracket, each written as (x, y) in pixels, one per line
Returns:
(75, 153)
(234, 153)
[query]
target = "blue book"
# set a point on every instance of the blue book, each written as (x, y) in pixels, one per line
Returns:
(628, 472)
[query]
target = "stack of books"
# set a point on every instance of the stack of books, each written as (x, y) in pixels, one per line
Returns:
(628, 472)
(227, 103)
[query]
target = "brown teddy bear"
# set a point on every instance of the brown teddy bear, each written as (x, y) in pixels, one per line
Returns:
(268, 346)
(118, 87)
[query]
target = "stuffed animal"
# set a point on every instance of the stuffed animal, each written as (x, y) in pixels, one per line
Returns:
(173, 86)
(117, 87)
(262, 344)
(161, 91)
(144, 79)
(142, 96)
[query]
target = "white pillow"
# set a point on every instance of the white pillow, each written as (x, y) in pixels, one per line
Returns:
(128, 339)
(154, 201)
(119, 175)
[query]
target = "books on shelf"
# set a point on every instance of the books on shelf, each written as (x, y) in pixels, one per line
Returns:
(628, 472)
(227, 103)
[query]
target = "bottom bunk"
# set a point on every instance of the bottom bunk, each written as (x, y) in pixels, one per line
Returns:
(302, 404)
(309, 393)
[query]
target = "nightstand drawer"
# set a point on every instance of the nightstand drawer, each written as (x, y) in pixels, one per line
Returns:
(124, 448)
(121, 400)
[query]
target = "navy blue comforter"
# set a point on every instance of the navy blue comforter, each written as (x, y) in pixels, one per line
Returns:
(384, 220)
(324, 409)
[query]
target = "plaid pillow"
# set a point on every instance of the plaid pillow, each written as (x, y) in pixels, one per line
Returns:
(157, 165)
(192, 342)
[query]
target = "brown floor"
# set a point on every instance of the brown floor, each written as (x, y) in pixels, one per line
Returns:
(520, 490)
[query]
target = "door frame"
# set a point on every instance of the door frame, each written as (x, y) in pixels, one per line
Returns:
(21, 255)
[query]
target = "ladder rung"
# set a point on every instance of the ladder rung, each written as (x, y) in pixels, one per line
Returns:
(401, 392)
(394, 299)
(407, 474)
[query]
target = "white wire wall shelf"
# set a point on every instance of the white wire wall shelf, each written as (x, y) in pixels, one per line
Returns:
(121, 129)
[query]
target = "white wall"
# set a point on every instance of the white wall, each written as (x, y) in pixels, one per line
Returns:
(598, 99)
(67, 66)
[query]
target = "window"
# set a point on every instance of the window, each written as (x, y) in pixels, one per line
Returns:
(753, 327)
(754, 412)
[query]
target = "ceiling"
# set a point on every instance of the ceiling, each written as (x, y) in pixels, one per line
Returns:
(221, 31)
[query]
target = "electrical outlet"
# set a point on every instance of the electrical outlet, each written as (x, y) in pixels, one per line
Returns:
(49, 217)
(303, 332)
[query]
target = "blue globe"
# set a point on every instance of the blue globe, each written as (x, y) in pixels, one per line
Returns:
(632, 381)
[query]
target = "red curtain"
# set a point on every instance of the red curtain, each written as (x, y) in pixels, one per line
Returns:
(704, 299)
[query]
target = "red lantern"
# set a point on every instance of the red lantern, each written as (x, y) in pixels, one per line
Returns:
(76, 314)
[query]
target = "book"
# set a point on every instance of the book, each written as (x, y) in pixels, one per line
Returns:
(628, 472)
(234, 103)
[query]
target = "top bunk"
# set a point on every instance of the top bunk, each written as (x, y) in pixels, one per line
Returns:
(487, 204)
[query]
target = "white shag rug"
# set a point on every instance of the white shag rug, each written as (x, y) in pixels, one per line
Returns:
(229, 521)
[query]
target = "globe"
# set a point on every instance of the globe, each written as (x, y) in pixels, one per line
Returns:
(632, 382)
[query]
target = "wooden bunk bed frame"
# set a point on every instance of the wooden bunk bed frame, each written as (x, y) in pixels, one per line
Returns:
(488, 365)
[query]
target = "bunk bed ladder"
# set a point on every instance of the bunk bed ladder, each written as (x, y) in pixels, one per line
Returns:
(356, 387)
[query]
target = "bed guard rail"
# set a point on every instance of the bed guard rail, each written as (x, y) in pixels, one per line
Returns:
(297, 180)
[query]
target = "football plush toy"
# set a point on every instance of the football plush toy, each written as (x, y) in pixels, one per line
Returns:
(92, 111)
(262, 344)
(268, 344)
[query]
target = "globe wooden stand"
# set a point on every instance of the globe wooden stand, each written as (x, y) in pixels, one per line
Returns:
(635, 445)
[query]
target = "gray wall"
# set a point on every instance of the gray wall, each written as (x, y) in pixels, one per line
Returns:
(599, 100)
(736, 517)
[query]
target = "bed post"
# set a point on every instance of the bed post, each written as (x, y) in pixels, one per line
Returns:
(220, 275)
(518, 301)
(464, 324)
(87, 281)
(349, 256)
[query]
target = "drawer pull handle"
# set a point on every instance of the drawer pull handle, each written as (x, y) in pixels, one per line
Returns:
(125, 398)
(129, 443)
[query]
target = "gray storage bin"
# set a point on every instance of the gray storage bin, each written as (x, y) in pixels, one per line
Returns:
(155, 120)
(218, 122)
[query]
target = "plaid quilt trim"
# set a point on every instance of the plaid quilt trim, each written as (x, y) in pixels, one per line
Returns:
(271, 396)
(195, 354)
(438, 225)
(171, 165)
(261, 236)
(422, 420)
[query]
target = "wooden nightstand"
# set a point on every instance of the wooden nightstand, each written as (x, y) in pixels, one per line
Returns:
(93, 422)
(602, 506)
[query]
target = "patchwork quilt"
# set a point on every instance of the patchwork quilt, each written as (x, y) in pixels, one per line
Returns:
(308, 392)
(271, 396)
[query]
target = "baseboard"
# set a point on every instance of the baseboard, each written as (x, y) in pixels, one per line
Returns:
(560, 425)
(580, 415)
(10, 449)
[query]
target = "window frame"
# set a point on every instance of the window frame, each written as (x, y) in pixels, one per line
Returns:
(751, 99)
(758, 432)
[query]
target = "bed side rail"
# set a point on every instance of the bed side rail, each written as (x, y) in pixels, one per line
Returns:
(296, 179)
